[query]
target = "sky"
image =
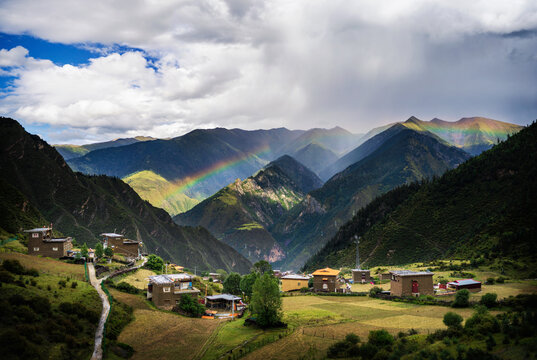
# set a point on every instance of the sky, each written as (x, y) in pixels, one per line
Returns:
(78, 71)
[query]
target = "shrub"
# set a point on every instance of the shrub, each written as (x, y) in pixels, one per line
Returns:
(126, 287)
(461, 299)
(62, 283)
(489, 300)
(352, 338)
(340, 349)
(481, 322)
(490, 281)
(74, 284)
(368, 351)
(453, 320)
(375, 290)
(6, 277)
(190, 306)
(14, 266)
(380, 338)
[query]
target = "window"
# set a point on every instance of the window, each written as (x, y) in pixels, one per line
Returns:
(325, 286)
(166, 289)
(298, 284)
(54, 249)
(176, 302)
(36, 249)
(35, 235)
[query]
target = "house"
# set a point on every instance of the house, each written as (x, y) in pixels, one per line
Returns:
(325, 280)
(224, 302)
(411, 283)
(361, 276)
(166, 290)
(120, 245)
(469, 284)
(41, 242)
(294, 282)
(385, 276)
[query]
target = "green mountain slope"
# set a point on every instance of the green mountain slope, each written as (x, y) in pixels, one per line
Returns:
(486, 207)
(240, 213)
(160, 192)
(198, 163)
(73, 151)
(408, 156)
(84, 206)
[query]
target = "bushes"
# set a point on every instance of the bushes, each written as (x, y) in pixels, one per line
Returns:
(380, 338)
(489, 300)
(481, 322)
(461, 299)
(375, 291)
(126, 287)
(453, 320)
(345, 348)
(189, 306)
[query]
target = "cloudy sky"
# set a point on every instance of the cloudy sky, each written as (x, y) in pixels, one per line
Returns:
(78, 71)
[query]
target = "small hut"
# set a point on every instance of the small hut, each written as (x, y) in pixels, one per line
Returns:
(361, 276)
(469, 284)
(224, 302)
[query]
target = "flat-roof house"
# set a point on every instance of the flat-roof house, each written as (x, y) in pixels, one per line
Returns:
(224, 302)
(294, 282)
(325, 280)
(361, 276)
(41, 242)
(166, 290)
(469, 284)
(120, 245)
(411, 283)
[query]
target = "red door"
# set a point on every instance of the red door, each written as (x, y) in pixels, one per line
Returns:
(415, 287)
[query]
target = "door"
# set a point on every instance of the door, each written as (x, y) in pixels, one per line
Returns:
(415, 287)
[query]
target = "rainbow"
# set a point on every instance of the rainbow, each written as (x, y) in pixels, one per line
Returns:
(181, 185)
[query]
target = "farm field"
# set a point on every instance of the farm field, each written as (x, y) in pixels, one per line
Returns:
(138, 279)
(47, 265)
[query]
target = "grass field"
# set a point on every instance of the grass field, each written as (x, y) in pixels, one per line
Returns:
(47, 265)
(157, 334)
(139, 278)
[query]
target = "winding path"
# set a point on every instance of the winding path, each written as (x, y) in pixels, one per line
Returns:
(96, 283)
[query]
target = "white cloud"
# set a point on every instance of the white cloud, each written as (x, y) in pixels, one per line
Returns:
(258, 64)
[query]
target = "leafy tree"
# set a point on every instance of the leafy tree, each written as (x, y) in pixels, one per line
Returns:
(310, 283)
(189, 305)
(461, 299)
(222, 273)
(232, 284)
(453, 320)
(84, 251)
(380, 338)
(352, 338)
(266, 303)
(109, 252)
(247, 284)
(99, 250)
(261, 267)
(489, 300)
(154, 262)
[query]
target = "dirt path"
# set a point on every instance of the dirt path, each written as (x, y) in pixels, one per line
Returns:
(96, 283)
(98, 349)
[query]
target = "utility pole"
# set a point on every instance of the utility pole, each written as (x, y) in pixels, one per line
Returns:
(357, 238)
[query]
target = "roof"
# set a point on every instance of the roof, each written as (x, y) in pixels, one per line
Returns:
(111, 235)
(295, 277)
(58, 240)
(464, 282)
(128, 241)
(168, 278)
(410, 273)
(227, 297)
(326, 272)
(361, 270)
(37, 230)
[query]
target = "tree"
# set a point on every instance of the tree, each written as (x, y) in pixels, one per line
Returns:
(154, 262)
(84, 251)
(247, 284)
(99, 250)
(190, 306)
(109, 252)
(461, 299)
(489, 300)
(222, 273)
(380, 338)
(232, 284)
(261, 267)
(266, 302)
(453, 320)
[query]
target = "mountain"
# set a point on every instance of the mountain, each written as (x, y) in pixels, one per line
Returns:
(337, 140)
(315, 157)
(198, 163)
(408, 156)
(485, 209)
(73, 151)
(361, 151)
(41, 186)
(160, 192)
(473, 134)
(240, 213)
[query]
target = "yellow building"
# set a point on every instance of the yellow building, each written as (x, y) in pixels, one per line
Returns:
(294, 282)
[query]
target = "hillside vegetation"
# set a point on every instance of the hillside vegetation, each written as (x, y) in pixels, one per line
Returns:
(160, 192)
(485, 209)
(73, 151)
(84, 206)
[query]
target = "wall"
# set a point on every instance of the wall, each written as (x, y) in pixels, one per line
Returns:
(357, 276)
(318, 283)
(402, 286)
(292, 284)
